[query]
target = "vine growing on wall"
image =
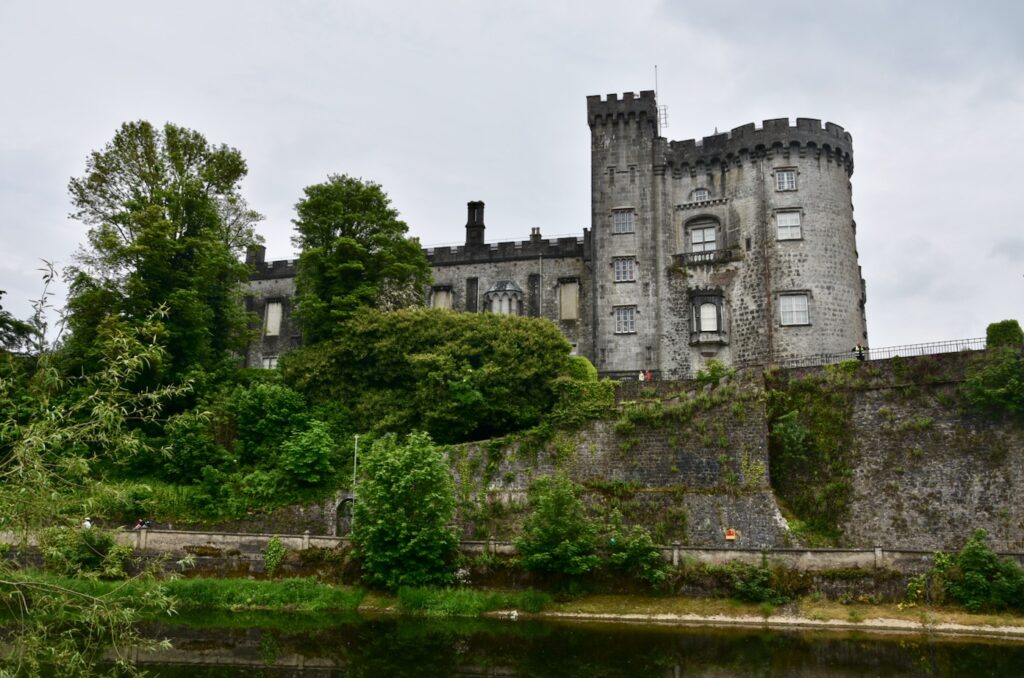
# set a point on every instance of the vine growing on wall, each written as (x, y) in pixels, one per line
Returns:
(810, 448)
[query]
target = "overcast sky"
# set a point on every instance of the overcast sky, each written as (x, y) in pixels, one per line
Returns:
(445, 102)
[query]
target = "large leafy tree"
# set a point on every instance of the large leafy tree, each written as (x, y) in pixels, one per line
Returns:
(405, 504)
(354, 254)
(458, 376)
(14, 333)
(167, 226)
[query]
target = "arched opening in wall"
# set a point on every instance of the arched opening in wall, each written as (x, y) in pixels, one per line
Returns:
(343, 517)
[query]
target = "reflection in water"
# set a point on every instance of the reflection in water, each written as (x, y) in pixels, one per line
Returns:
(278, 645)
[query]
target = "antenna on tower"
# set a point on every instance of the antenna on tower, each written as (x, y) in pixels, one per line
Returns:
(662, 110)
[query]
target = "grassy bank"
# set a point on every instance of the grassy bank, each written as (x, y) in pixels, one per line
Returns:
(308, 598)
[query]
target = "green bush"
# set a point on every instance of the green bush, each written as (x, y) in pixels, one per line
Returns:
(405, 502)
(978, 579)
(468, 602)
(83, 552)
(274, 555)
(557, 537)
(580, 369)
(715, 372)
(995, 381)
(457, 376)
(1004, 333)
(633, 551)
(306, 455)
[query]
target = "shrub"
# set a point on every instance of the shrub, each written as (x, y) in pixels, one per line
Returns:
(978, 579)
(715, 372)
(633, 551)
(995, 381)
(77, 552)
(580, 369)
(405, 502)
(1004, 333)
(306, 455)
(274, 555)
(557, 536)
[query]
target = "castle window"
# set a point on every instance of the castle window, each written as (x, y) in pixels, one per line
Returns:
(788, 224)
(270, 362)
(708, 318)
(703, 237)
(793, 309)
(625, 320)
(272, 319)
(700, 195)
(625, 269)
(785, 180)
(623, 221)
(569, 300)
(504, 298)
(441, 297)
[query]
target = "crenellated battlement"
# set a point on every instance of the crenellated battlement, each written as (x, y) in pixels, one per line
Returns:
(270, 270)
(546, 248)
(612, 109)
(748, 142)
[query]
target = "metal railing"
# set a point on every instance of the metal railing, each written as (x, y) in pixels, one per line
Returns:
(885, 353)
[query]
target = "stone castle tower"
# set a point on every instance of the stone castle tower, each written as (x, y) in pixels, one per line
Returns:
(738, 247)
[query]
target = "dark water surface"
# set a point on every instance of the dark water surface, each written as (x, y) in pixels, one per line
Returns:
(279, 645)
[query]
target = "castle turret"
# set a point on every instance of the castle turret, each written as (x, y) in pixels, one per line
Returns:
(623, 135)
(475, 223)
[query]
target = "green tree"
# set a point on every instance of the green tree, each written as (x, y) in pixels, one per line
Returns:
(14, 333)
(405, 502)
(558, 537)
(52, 431)
(458, 376)
(167, 226)
(354, 254)
(1004, 333)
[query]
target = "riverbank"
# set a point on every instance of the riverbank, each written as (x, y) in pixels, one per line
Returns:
(306, 596)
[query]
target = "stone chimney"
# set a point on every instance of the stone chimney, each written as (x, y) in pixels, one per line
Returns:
(475, 223)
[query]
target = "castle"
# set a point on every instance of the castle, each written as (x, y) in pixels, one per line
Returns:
(739, 247)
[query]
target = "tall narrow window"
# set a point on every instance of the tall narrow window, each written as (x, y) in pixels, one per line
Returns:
(708, 317)
(625, 269)
(441, 298)
(625, 320)
(272, 319)
(788, 224)
(623, 221)
(785, 180)
(568, 300)
(793, 309)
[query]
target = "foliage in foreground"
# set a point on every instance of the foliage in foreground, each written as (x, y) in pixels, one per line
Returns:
(975, 578)
(633, 551)
(405, 504)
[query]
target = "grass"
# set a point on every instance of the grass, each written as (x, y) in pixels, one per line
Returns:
(468, 602)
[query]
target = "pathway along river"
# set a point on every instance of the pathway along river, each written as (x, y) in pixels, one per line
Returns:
(283, 645)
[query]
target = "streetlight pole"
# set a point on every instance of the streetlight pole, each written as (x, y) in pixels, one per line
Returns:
(355, 463)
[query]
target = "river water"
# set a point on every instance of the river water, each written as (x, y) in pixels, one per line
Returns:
(284, 645)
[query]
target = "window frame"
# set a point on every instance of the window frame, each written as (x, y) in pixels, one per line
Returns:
(269, 362)
(695, 193)
(779, 226)
(782, 174)
(563, 290)
(702, 226)
(279, 304)
(624, 269)
(794, 319)
(625, 319)
(627, 223)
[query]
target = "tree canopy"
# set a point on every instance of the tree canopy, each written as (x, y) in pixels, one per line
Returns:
(405, 502)
(354, 253)
(167, 226)
(458, 376)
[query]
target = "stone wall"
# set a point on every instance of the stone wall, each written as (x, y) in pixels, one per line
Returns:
(927, 470)
(687, 462)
